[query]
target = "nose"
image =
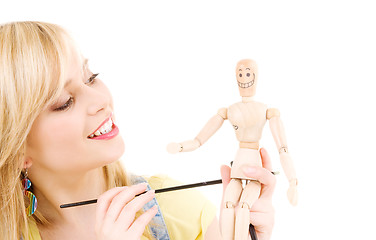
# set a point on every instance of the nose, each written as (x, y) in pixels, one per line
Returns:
(99, 100)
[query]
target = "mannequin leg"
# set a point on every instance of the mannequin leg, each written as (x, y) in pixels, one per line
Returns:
(231, 199)
(250, 194)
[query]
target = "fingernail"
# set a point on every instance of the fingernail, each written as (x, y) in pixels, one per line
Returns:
(249, 170)
(151, 192)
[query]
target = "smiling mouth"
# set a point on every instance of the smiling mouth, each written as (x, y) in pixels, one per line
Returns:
(247, 84)
(104, 128)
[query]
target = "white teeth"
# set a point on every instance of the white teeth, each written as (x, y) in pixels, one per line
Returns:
(107, 127)
(246, 85)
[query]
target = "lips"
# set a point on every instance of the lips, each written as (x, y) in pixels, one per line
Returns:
(104, 128)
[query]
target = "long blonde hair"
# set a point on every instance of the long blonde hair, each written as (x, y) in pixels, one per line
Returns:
(33, 60)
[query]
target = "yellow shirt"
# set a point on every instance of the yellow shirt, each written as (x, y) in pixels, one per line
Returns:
(187, 213)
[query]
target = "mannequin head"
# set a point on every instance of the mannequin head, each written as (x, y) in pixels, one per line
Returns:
(246, 76)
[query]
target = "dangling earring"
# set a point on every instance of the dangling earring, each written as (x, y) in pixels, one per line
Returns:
(29, 195)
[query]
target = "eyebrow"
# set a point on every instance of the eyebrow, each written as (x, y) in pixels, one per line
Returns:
(248, 69)
(84, 67)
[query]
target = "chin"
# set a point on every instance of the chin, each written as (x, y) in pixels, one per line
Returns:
(110, 154)
(116, 153)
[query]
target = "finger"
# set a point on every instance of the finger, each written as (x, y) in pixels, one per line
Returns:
(265, 177)
(139, 225)
(226, 176)
(120, 200)
(104, 202)
(262, 220)
(128, 213)
(266, 162)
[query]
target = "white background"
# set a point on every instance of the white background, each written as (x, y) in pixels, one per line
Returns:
(170, 66)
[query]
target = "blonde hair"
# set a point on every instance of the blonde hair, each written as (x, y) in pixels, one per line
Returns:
(33, 59)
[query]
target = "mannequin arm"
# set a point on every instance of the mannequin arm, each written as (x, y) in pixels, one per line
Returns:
(206, 132)
(279, 136)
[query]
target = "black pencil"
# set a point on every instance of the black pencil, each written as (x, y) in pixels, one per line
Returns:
(200, 184)
(219, 181)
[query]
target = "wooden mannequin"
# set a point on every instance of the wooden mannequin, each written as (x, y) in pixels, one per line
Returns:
(248, 118)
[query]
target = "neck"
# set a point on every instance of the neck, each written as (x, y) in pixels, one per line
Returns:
(52, 190)
(247, 99)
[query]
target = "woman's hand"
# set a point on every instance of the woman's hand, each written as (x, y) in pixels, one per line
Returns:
(116, 212)
(262, 211)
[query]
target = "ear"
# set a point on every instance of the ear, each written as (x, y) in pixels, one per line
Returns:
(27, 162)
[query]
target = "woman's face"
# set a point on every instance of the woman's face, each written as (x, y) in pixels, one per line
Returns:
(59, 138)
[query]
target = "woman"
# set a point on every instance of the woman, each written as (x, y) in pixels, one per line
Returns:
(58, 131)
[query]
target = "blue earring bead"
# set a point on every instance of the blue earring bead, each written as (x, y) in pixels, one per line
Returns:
(26, 183)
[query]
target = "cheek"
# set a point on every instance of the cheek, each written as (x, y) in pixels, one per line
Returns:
(56, 143)
(62, 131)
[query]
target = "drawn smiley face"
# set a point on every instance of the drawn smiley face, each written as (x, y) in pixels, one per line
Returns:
(247, 76)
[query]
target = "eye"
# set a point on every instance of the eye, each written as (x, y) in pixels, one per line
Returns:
(248, 74)
(66, 105)
(91, 80)
(240, 75)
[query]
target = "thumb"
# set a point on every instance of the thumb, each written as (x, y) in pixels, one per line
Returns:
(226, 176)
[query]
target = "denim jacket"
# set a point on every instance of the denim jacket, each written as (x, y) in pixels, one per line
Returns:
(157, 225)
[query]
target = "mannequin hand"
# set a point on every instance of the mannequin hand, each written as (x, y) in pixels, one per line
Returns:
(174, 148)
(292, 192)
(262, 211)
(116, 211)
